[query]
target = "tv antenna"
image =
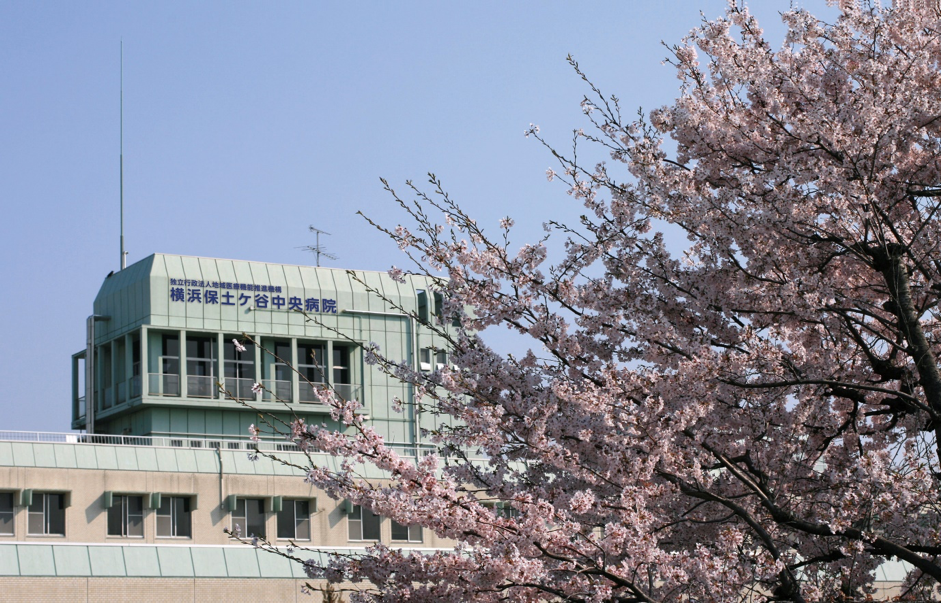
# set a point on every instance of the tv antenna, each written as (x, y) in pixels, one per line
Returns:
(317, 249)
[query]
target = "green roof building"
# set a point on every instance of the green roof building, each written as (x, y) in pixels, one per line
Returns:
(182, 355)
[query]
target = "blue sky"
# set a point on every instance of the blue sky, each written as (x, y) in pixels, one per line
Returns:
(244, 122)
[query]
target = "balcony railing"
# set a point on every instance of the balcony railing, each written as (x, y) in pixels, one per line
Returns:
(345, 391)
(135, 382)
(81, 407)
(277, 391)
(200, 386)
(122, 392)
(267, 443)
(239, 388)
(163, 384)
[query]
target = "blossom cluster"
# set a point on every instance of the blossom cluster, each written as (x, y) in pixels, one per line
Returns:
(761, 414)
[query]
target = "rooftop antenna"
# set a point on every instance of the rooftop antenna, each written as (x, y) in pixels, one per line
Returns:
(317, 249)
(123, 253)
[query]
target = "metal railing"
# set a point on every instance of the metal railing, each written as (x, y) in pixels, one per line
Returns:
(277, 391)
(345, 391)
(266, 444)
(200, 386)
(163, 384)
(239, 388)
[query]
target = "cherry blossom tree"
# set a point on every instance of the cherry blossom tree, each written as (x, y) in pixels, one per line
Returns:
(759, 415)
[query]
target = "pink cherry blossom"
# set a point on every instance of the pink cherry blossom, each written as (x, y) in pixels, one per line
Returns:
(760, 413)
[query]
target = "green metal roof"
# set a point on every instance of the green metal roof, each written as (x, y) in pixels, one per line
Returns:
(148, 560)
(141, 295)
(195, 561)
(148, 458)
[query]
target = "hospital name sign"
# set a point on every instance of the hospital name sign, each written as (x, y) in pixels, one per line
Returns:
(262, 297)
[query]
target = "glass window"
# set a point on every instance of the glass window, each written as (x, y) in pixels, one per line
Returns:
(401, 533)
(363, 524)
(174, 519)
(282, 353)
(126, 517)
(341, 365)
(6, 513)
(422, 305)
(200, 366)
(441, 360)
(311, 367)
(439, 305)
(425, 359)
(239, 370)
(46, 515)
(310, 361)
(200, 352)
(104, 357)
(249, 516)
(170, 359)
(294, 520)
(135, 355)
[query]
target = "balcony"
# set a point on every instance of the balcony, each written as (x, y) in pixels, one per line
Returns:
(239, 388)
(163, 384)
(277, 391)
(345, 391)
(200, 386)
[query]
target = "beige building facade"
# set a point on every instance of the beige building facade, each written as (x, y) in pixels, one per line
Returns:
(135, 504)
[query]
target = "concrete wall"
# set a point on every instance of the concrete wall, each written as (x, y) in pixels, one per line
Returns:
(86, 517)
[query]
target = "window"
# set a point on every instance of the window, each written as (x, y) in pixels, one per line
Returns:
(402, 533)
(200, 363)
(341, 365)
(342, 375)
(174, 519)
(363, 524)
(502, 509)
(104, 356)
(422, 304)
(135, 367)
(426, 355)
(170, 365)
(126, 517)
(279, 372)
(311, 367)
(239, 370)
(46, 515)
(439, 305)
(119, 380)
(6, 513)
(294, 520)
(249, 516)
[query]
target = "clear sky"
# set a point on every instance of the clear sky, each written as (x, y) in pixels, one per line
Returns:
(245, 122)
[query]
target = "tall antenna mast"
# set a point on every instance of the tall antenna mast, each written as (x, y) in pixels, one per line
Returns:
(123, 253)
(317, 249)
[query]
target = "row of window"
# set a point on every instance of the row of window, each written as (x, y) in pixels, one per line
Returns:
(46, 516)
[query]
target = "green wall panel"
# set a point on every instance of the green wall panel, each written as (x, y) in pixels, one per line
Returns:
(106, 561)
(71, 561)
(36, 560)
